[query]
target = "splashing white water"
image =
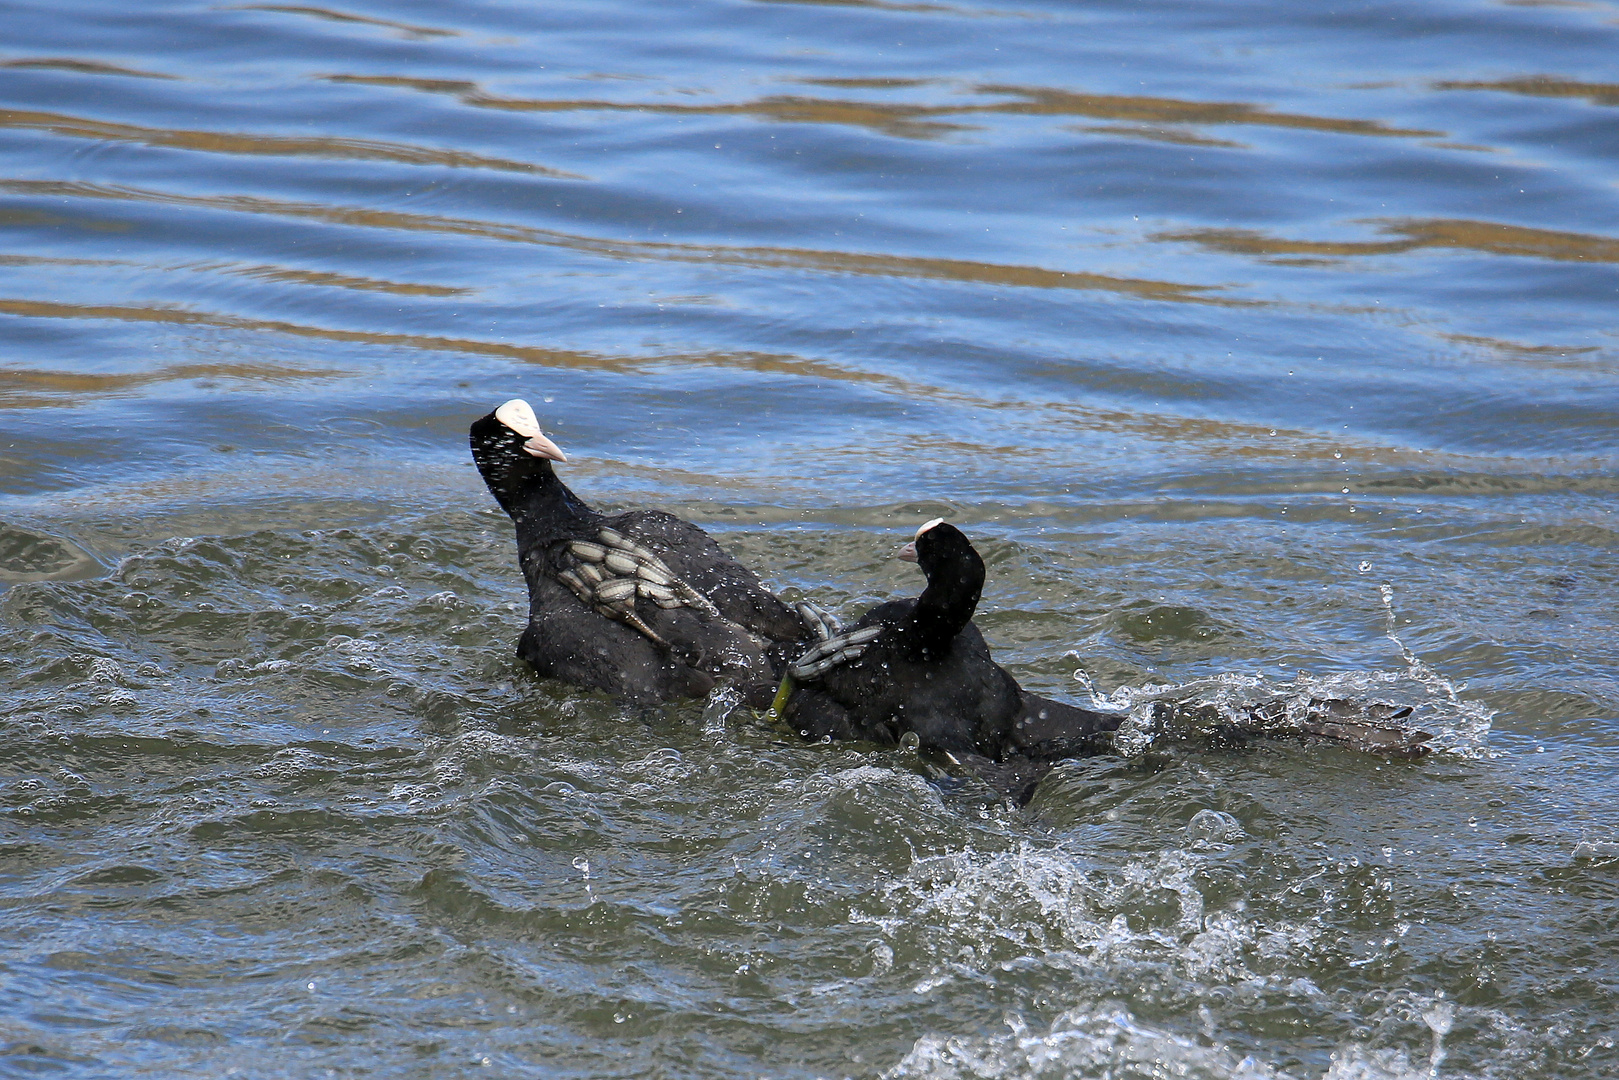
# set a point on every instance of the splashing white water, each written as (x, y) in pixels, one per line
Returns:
(1458, 726)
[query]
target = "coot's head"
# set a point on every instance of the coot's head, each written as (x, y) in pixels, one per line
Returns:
(939, 543)
(511, 452)
(955, 576)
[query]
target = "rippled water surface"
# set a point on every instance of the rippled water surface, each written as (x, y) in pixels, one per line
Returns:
(1263, 347)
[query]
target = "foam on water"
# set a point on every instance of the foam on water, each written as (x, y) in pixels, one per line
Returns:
(997, 918)
(1106, 1040)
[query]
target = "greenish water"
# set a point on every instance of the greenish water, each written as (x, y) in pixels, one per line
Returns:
(1261, 348)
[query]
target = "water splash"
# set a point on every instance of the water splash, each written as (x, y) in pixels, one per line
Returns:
(1202, 707)
(1100, 1041)
(1109, 1041)
(1440, 1018)
(721, 702)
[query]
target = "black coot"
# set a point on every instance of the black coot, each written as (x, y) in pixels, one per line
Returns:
(642, 605)
(921, 667)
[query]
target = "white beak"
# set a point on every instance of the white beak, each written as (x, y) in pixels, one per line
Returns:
(541, 447)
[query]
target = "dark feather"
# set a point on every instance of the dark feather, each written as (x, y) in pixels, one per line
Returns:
(667, 614)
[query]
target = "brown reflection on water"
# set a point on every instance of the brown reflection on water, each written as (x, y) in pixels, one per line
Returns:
(30, 218)
(1042, 102)
(331, 15)
(21, 388)
(263, 273)
(1179, 136)
(867, 84)
(1294, 448)
(919, 121)
(83, 67)
(900, 266)
(17, 382)
(16, 386)
(1544, 86)
(1556, 357)
(40, 309)
(899, 120)
(51, 260)
(1485, 236)
(895, 5)
(884, 5)
(911, 267)
(325, 278)
(219, 142)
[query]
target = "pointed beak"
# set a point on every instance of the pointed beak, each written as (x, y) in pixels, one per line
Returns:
(908, 552)
(541, 447)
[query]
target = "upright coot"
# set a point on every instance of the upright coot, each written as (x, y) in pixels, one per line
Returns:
(921, 667)
(642, 605)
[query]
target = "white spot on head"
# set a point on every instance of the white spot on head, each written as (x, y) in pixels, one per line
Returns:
(926, 525)
(517, 415)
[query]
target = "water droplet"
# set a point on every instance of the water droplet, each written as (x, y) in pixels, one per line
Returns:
(582, 864)
(910, 741)
(1364, 567)
(1440, 1017)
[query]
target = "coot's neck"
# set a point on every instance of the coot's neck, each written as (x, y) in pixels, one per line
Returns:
(535, 494)
(526, 487)
(946, 606)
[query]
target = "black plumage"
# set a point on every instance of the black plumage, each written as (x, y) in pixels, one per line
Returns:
(643, 605)
(921, 667)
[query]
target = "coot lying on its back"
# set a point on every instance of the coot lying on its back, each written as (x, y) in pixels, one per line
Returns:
(642, 605)
(921, 667)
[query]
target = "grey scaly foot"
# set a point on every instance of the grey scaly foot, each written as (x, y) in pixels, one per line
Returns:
(822, 622)
(835, 650)
(613, 572)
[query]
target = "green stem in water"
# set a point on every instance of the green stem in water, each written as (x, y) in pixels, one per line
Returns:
(783, 692)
